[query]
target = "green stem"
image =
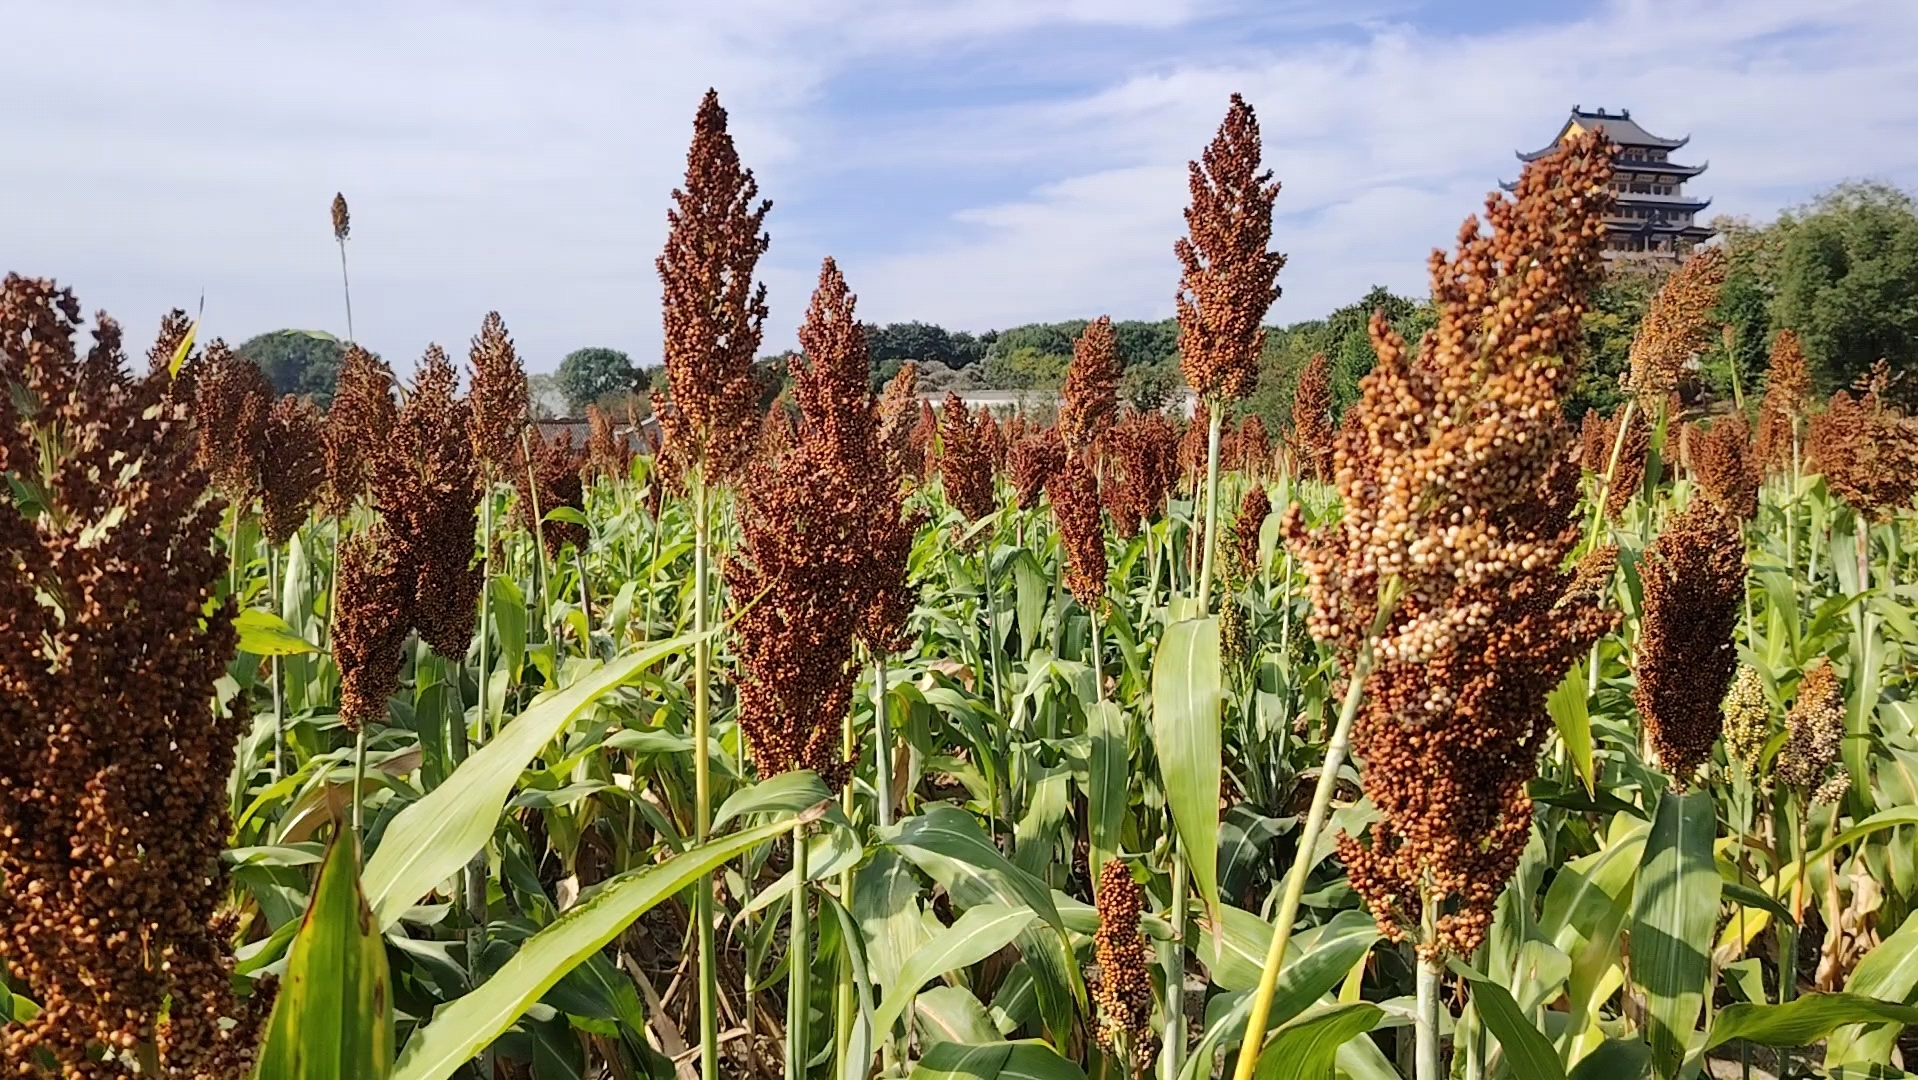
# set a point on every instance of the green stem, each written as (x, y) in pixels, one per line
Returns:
(1426, 1019)
(1215, 421)
(275, 672)
(882, 742)
(1175, 1033)
(799, 966)
(702, 789)
(1335, 751)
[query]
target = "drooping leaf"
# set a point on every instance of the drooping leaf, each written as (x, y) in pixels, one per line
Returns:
(952, 1014)
(431, 839)
(1528, 1051)
(1803, 1020)
(1889, 972)
(334, 1014)
(952, 833)
(1187, 701)
(263, 633)
(1674, 910)
(463, 1028)
(1307, 1048)
(995, 1061)
(977, 934)
(1615, 1059)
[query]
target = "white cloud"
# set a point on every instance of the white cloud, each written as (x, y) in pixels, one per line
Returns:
(518, 157)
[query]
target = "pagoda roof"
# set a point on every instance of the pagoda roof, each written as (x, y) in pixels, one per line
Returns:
(1618, 126)
(1640, 165)
(1662, 202)
(1613, 225)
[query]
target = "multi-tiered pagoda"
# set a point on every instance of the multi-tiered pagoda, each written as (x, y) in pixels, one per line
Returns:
(1654, 217)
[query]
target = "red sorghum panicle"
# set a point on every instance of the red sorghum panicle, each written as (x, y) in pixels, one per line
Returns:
(1815, 729)
(370, 624)
(1312, 420)
(925, 431)
(1074, 493)
(1866, 450)
(497, 397)
(1722, 461)
(294, 466)
(608, 450)
(714, 312)
(1694, 580)
(1244, 553)
(1195, 443)
(1248, 448)
(1229, 279)
(114, 760)
(994, 438)
(232, 399)
(426, 485)
(359, 422)
(965, 462)
(558, 467)
(1455, 477)
(1125, 962)
(1033, 461)
(898, 412)
(1145, 446)
(1787, 399)
(1597, 442)
(1091, 394)
(1676, 326)
(342, 220)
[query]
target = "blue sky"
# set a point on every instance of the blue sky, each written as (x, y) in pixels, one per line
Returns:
(977, 163)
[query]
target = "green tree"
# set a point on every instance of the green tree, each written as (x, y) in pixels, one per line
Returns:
(1151, 385)
(297, 361)
(1847, 280)
(1025, 367)
(1344, 337)
(587, 375)
(1617, 306)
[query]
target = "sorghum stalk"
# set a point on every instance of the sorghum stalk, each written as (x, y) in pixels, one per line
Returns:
(1335, 750)
(1172, 1044)
(1426, 1018)
(341, 226)
(799, 966)
(703, 784)
(882, 742)
(279, 691)
(1211, 507)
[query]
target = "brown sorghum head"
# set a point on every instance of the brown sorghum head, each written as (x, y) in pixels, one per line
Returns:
(714, 312)
(1074, 493)
(1195, 444)
(370, 624)
(924, 433)
(965, 462)
(1145, 446)
(1787, 398)
(1677, 325)
(1816, 729)
(994, 438)
(557, 467)
(1033, 462)
(1867, 452)
(358, 424)
(802, 548)
(342, 220)
(1694, 580)
(1722, 462)
(174, 328)
(114, 759)
(1091, 393)
(497, 396)
(294, 463)
(1312, 419)
(1597, 442)
(1125, 974)
(426, 485)
(232, 399)
(1254, 507)
(898, 412)
(778, 431)
(1229, 279)
(1455, 476)
(1747, 720)
(832, 376)
(609, 451)
(1251, 447)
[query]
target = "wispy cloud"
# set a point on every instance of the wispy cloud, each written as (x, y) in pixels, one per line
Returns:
(976, 162)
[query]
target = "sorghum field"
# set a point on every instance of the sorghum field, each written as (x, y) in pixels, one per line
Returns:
(854, 738)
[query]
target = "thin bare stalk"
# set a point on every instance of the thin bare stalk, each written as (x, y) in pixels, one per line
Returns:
(275, 672)
(1216, 422)
(346, 288)
(1611, 471)
(882, 742)
(1175, 1031)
